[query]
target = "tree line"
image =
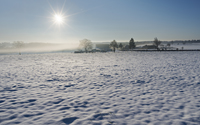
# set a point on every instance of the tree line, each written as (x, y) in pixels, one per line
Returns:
(16, 44)
(87, 44)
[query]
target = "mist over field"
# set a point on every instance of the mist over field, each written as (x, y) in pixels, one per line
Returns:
(37, 47)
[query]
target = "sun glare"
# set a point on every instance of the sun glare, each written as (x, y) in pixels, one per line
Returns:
(58, 19)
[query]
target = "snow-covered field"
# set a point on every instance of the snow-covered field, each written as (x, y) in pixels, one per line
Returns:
(133, 88)
(186, 46)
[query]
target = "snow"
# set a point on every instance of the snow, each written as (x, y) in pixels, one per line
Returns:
(133, 88)
(186, 46)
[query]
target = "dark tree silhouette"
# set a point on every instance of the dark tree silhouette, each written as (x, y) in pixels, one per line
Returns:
(19, 45)
(156, 42)
(86, 44)
(131, 44)
(120, 46)
(113, 45)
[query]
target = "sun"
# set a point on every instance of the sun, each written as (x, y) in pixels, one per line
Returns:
(58, 19)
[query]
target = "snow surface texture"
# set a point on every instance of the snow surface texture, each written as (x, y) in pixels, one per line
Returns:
(133, 88)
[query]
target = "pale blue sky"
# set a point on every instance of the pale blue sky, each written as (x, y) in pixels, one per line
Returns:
(99, 20)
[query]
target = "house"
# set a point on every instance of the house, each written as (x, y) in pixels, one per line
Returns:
(149, 47)
(98, 50)
(103, 47)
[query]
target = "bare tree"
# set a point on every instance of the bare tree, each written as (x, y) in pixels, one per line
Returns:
(86, 45)
(113, 45)
(156, 42)
(18, 45)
